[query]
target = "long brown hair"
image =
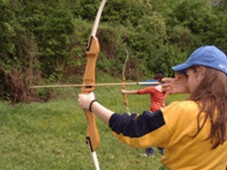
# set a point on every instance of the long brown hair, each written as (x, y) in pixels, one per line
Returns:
(211, 95)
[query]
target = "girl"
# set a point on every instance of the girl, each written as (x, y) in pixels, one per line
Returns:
(193, 132)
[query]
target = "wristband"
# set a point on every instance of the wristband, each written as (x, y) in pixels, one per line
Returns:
(90, 106)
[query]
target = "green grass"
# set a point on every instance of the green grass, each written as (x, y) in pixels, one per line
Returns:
(46, 136)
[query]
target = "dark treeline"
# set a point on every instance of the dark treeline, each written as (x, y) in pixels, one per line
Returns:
(43, 42)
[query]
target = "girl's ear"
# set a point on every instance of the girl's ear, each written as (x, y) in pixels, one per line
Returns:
(201, 70)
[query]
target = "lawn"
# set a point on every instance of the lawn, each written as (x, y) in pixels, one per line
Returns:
(51, 135)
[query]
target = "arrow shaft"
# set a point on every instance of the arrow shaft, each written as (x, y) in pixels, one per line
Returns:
(94, 85)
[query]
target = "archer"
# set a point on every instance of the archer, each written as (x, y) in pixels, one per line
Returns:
(157, 97)
(193, 132)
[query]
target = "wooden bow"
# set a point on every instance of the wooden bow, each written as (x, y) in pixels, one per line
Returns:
(92, 52)
(123, 80)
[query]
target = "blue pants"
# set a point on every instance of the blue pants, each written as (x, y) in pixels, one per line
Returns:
(151, 151)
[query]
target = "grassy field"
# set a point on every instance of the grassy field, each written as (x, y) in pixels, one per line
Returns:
(51, 135)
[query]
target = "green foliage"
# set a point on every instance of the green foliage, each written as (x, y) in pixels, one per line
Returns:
(46, 40)
(222, 4)
(221, 29)
(52, 25)
(6, 29)
(88, 9)
(181, 36)
(148, 41)
(113, 48)
(170, 57)
(125, 12)
(198, 17)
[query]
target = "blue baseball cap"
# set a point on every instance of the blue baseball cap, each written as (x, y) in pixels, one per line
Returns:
(209, 56)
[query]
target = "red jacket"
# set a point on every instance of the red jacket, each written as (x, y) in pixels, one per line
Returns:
(157, 97)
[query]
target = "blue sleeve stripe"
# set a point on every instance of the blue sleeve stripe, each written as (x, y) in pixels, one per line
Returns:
(135, 125)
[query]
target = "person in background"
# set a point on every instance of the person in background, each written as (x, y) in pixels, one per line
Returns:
(193, 132)
(157, 99)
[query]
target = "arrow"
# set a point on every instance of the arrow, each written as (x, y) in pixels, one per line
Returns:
(94, 85)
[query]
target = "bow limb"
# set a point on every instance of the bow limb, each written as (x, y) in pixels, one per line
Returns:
(92, 52)
(123, 80)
